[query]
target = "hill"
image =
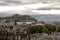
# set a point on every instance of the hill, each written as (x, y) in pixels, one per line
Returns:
(18, 18)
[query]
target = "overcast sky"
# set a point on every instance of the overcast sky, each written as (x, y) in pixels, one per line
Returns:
(18, 2)
(28, 7)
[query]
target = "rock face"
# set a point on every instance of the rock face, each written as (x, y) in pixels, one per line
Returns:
(19, 18)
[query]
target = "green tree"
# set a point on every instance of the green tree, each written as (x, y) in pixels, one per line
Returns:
(33, 29)
(39, 29)
(51, 28)
(44, 30)
(58, 29)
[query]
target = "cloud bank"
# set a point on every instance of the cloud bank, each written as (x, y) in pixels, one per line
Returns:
(29, 7)
(20, 2)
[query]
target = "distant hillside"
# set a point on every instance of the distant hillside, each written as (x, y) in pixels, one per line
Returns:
(18, 18)
(47, 17)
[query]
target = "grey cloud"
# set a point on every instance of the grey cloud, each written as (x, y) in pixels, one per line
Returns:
(15, 2)
(12, 1)
(9, 2)
(18, 2)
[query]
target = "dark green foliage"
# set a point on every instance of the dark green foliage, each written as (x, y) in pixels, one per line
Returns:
(33, 29)
(58, 29)
(43, 29)
(39, 28)
(50, 28)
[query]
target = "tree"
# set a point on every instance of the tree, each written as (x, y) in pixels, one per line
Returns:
(44, 30)
(50, 27)
(58, 29)
(15, 22)
(39, 28)
(33, 29)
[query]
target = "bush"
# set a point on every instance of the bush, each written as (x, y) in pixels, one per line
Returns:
(51, 28)
(44, 30)
(33, 29)
(58, 29)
